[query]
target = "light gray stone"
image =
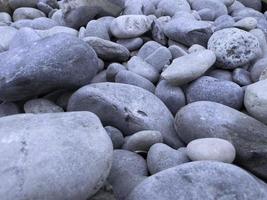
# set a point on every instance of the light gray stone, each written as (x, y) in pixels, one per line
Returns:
(38, 106)
(6, 33)
(27, 13)
(41, 23)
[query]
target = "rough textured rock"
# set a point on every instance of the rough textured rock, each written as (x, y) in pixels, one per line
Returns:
(211, 149)
(60, 61)
(211, 89)
(161, 156)
(40, 155)
(248, 135)
(128, 108)
(234, 47)
(200, 180)
(188, 68)
(256, 100)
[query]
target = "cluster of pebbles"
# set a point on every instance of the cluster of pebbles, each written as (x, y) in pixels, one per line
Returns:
(133, 100)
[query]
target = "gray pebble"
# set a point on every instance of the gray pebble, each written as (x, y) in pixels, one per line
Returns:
(14, 4)
(112, 70)
(100, 77)
(116, 136)
(131, 44)
(221, 74)
(258, 68)
(6, 33)
(211, 89)
(37, 106)
(242, 77)
(177, 51)
(8, 108)
(224, 21)
(5, 17)
(41, 23)
(27, 13)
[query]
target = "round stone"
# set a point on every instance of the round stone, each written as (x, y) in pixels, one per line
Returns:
(234, 47)
(211, 149)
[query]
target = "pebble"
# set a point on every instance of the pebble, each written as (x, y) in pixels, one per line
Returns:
(256, 100)
(142, 141)
(189, 67)
(211, 89)
(142, 68)
(241, 77)
(47, 149)
(172, 96)
(38, 23)
(7, 33)
(131, 78)
(116, 136)
(112, 70)
(170, 7)
(5, 17)
(177, 51)
(37, 106)
(99, 28)
(53, 55)
(27, 13)
(221, 74)
(224, 21)
(131, 109)
(8, 108)
(197, 180)
(161, 157)
(14, 4)
(247, 23)
(234, 47)
(216, 120)
(130, 26)
(258, 68)
(56, 30)
(211, 149)
(132, 43)
(107, 50)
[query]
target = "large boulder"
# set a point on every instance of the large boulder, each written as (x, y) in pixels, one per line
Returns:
(53, 156)
(248, 135)
(200, 180)
(59, 61)
(126, 107)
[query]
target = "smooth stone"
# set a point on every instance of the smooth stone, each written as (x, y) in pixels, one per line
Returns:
(189, 31)
(128, 170)
(116, 136)
(177, 51)
(47, 6)
(27, 13)
(213, 5)
(40, 155)
(62, 60)
(234, 47)
(262, 40)
(112, 70)
(81, 33)
(107, 50)
(247, 12)
(207, 14)
(8, 108)
(172, 96)
(170, 7)
(142, 68)
(105, 193)
(242, 77)
(159, 58)
(6, 33)
(5, 17)
(14, 4)
(131, 44)
(188, 68)
(256, 100)
(142, 141)
(224, 21)
(56, 30)
(215, 149)
(41, 23)
(101, 77)
(131, 78)
(258, 68)
(263, 75)
(148, 48)
(126, 107)
(77, 13)
(38, 106)
(255, 4)
(211, 89)
(161, 157)
(247, 23)
(200, 180)
(96, 28)
(195, 48)
(228, 3)
(138, 7)
(221, 74)
(130, 26)
(23, 37)
(247, 134)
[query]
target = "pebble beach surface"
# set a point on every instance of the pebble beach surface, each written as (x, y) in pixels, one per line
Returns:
(133, 100)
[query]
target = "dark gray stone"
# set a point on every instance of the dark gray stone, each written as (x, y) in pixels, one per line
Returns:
(126, 107)
(224, 21)
(242, 77)
(248, 135)
(14, 4)
(161, 157)
(56, 62)
(112, 70)
(116, 136)
(131, 44)
(221, 74)
(27, 13)
(8, 108)
(258, 68)
(38, 106)
(211, 89)
(172, 96)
